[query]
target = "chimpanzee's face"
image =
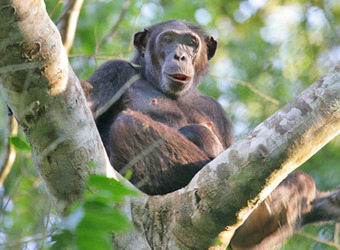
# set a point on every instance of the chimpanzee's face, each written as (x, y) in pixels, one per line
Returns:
(175, 56)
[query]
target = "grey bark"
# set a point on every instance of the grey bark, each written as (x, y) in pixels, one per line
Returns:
(46, 98)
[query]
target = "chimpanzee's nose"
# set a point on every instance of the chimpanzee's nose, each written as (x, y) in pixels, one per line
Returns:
(179, 57)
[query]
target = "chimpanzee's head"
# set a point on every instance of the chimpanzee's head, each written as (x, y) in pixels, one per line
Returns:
(174, 55)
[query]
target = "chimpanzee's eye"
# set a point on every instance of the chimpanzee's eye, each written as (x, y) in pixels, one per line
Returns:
(167, 39)
(192, 42)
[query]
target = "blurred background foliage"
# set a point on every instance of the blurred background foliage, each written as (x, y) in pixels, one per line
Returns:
(269, 51)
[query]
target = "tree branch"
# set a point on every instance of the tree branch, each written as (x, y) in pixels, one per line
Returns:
(222, 195)
(9, 154)
(67, 21)
(47, 100)
(114, 28)
(250, 87)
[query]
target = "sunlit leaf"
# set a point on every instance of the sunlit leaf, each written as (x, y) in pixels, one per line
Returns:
(108, 188)
(62, 240)
(89, 239)
(101, 217)
(20, 144)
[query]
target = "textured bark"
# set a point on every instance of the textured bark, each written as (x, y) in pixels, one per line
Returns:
(47, 100)
(223, 193)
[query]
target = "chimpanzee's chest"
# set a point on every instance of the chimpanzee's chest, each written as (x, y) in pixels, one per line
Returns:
(161, 108)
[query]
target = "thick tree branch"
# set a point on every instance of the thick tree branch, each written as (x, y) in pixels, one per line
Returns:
(47, 100)
(223, 193)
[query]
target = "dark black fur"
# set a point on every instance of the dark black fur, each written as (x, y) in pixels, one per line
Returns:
(156, 113)
(204, 136)
(154, 122)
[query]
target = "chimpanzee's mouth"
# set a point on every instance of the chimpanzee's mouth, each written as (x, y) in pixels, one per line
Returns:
(178, 77)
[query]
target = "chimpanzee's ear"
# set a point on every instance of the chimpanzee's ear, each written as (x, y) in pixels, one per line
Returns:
(140, 40)
(211, 45)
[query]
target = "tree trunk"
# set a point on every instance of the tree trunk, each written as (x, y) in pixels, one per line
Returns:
(46, 99)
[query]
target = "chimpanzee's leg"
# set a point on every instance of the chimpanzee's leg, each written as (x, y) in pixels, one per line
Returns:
(161, 159)
(325, 208)
(278, 216)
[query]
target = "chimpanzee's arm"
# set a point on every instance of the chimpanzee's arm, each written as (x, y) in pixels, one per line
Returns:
(204, 137)
(107, 84)
(161, 159)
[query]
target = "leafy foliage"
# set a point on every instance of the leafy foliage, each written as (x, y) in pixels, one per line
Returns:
(92, 220)
(20, 144)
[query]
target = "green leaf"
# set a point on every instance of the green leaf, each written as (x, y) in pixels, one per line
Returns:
(62, 240)
(20, 144)
(128, 174)
(109, 189)
(88, 239)
(101, 217)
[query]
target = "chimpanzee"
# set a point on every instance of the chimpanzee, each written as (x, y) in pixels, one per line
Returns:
(154, 122)
(160, 126)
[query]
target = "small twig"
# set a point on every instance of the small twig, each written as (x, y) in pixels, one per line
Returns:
(10, 151)
(24, 240)
(51, 147)
(317, 239)
(21, 66)
(11, 194)
(105, 56)
(44, 235)
(249, 86)
(55, 7)
(115, 27)
(134, 26)
(67, 22)
(114, 98)
(141, 155)
(336, 234)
